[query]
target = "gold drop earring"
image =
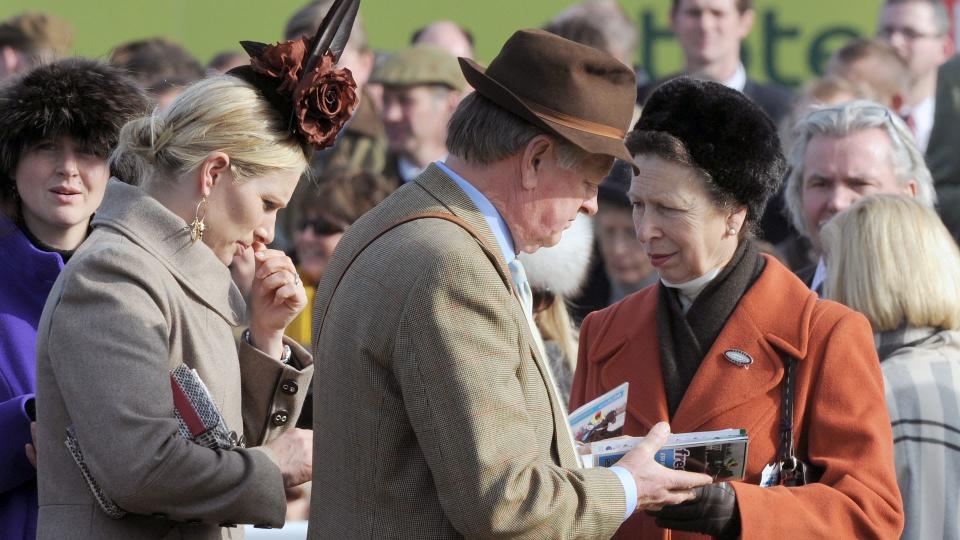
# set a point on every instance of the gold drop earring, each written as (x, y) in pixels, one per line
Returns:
(197, 226)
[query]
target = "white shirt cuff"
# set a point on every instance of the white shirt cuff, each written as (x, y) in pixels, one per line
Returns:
(629, 488)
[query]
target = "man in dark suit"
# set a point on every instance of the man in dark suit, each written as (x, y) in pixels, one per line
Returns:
(710, 33)
(942, 156)
(920, 31)
(422, 86)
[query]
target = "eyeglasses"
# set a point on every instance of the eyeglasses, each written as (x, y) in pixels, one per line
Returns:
(908, 33)
(322, 226)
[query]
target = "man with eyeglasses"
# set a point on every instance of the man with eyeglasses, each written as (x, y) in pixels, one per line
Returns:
(842, 154)
(920, 32)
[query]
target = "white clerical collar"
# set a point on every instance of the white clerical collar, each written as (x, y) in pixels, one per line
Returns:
(739, 79)
(689, 290)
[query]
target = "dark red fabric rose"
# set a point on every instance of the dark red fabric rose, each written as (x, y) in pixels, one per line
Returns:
(283, 61)
(323, 100)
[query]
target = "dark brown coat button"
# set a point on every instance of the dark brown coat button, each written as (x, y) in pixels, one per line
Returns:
(289, 387)
(280, 418)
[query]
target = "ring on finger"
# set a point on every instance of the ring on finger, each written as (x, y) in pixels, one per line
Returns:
(296, 278)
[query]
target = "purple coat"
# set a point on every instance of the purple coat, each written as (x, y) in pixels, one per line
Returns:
(26, 277)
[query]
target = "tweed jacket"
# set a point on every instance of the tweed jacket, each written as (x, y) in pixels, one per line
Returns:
(135, 301)
(433, 412)
(841, 427)
(921, 369)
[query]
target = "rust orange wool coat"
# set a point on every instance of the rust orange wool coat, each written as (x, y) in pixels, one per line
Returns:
(841, 424)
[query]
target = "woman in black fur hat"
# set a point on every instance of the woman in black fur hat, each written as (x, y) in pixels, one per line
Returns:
(58, 124)
(730, 338)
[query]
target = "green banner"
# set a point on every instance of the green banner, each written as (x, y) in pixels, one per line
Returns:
(789, 43)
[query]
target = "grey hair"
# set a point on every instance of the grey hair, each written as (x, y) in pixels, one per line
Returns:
(482, 132)
(846, 119)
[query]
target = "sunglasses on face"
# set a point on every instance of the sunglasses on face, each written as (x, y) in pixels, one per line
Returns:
(322, 227)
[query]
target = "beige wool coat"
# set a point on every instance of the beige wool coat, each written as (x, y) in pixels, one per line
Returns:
(135, 301)
(433, 413)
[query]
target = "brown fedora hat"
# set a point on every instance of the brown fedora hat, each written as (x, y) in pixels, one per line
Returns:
(579, 93)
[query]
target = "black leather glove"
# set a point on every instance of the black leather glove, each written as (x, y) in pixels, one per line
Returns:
(713, 512)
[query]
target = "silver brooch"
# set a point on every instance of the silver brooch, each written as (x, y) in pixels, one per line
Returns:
(738, 358)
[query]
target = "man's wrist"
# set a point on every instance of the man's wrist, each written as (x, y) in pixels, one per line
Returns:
(629, 488)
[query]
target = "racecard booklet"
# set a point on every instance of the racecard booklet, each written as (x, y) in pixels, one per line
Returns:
(597, 428)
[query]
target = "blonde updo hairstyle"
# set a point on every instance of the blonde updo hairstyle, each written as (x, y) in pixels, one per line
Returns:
(891, 258)
(219, 114)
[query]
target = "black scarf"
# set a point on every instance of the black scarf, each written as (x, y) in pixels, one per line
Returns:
(65, 254)
(685, 339)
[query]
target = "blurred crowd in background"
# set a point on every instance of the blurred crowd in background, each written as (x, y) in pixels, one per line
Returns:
(883, 119)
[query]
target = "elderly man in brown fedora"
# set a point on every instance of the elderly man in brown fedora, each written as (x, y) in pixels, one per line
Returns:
(435, 415)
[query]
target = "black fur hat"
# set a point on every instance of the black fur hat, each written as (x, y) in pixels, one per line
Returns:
(724, 133)
(85, 99)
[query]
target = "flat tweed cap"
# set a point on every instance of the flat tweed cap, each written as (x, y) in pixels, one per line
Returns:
(421, 64)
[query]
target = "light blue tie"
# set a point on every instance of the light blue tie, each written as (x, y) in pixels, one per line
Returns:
(522, 284)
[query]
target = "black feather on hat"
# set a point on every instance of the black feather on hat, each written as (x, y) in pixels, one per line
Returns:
(88, 100)
(724, 132)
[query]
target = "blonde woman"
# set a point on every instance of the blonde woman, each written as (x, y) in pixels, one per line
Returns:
(893, 260)
(127, 448)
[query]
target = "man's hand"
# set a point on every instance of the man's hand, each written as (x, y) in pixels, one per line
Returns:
(293, 451)
(658, 486)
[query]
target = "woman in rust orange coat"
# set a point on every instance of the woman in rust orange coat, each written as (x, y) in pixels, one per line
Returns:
(707, 347)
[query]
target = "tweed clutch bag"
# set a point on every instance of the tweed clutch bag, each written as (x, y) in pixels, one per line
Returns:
(198, 417)
(198, 420)
(107, 505)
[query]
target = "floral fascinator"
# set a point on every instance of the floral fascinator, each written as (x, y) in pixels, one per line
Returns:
(299, 78)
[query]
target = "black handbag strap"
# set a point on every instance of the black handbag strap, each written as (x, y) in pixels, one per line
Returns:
(793, 471)
(785, 452)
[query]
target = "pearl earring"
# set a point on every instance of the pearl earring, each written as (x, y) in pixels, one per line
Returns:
(731, 231)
